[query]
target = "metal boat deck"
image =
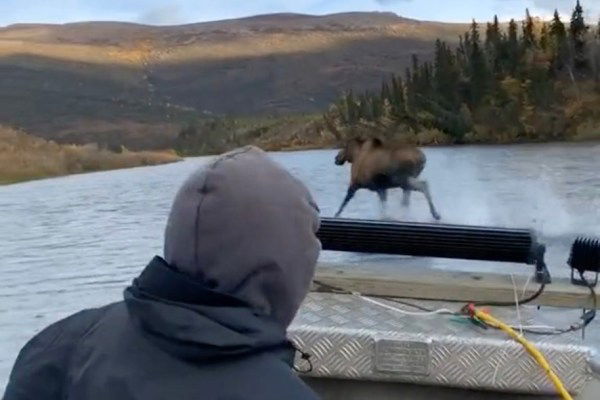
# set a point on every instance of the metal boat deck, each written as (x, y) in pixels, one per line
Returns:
(350, 338)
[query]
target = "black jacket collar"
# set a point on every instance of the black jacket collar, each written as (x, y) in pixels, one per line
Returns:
(193, 322)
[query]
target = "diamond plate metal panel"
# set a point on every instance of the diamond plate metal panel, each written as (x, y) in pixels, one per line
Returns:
(351, 338)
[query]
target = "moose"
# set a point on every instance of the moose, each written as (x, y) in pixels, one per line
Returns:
(379, 166)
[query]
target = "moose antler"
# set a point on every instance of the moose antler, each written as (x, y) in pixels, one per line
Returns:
(330, 124)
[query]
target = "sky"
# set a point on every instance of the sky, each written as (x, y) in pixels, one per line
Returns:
(166, 12)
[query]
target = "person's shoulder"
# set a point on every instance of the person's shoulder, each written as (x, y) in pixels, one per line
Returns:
(69, 328)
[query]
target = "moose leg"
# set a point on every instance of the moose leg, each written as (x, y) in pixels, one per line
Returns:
(423, 187)
(405, 197)
(382, 193)
(351, 191)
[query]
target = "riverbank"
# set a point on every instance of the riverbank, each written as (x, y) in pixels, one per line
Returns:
(25, 157)
(310, 132)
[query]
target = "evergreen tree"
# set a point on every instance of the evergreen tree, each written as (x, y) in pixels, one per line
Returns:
(493, 45)
(426, 86)
(446, 76)
(467, 48)
(512, 48)
(578, 31)
(545, 38)
(398, 97)
(410, 89)
(596, 56)
(488, 36)
(474, 33)
(557, 28)
(415, 65)
(558, 36)
(478, 71)
(461, 53)
(528, 31)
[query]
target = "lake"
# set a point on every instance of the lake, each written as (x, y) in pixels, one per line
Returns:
(77, 241)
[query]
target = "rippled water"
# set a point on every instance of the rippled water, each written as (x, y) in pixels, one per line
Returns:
(77, 241)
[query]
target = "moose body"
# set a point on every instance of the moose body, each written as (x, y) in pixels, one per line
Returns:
(378, 167)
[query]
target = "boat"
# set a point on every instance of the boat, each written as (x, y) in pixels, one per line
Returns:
(376, 333)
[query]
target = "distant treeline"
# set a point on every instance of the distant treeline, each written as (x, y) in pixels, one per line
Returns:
(522, 82)
(219, 134)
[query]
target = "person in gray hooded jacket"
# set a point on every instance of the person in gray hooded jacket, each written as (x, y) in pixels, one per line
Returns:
(207, 321)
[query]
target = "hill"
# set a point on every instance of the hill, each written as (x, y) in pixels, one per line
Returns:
(137, 85)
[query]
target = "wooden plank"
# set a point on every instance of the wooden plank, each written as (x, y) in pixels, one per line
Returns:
(435, 284)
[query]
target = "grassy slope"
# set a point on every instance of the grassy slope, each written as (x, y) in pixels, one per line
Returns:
(24, 157)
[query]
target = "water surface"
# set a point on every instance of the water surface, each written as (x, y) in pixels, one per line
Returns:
(77, 241)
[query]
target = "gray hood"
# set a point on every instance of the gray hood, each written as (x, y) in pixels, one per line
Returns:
(246, 227)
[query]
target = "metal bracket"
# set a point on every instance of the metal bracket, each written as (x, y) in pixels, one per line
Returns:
(542, 274)
(580, 282)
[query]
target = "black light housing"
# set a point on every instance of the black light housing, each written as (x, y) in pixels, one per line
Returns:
(585, 257)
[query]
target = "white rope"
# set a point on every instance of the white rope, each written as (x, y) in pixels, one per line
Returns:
(406, 312)
(512, 278)
(526, 285)
(445, 311)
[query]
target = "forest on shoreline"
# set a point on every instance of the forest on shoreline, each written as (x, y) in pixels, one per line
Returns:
(539, 81)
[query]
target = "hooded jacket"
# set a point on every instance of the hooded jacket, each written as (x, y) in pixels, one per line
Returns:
(207, 321)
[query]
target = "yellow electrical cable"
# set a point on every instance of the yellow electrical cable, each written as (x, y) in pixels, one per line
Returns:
(535, 353)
